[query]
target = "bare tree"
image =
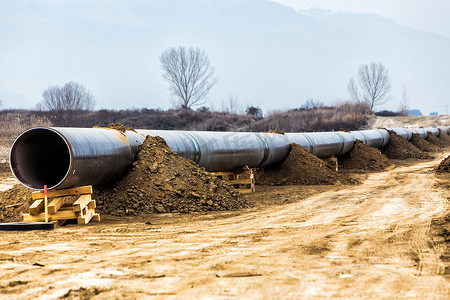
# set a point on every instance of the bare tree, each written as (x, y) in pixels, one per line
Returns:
(232, 106)
(312, 104)
(404, 104)
(189, 74)
(67, 102)
(374, 85)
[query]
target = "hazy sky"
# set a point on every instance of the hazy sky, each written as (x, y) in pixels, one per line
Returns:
(264, 54)
(422, 15)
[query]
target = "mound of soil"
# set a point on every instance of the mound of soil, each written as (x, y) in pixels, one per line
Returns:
(444, 166)
(444, 138)
(275, 131)
(13, 203)
(399, 148)
(363, 157)
(422, 144)
(300, 167)
(431, 138)
(162, 181)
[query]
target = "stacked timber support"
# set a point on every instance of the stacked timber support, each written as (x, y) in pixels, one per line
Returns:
(243, 179)
(332, 162)
(68, 204)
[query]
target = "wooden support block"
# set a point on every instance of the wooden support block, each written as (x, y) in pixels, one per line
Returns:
(61, 207)
(55, 205)
(86, 218)
(96, 217)
(332, 162)
(82, 202)
(92, 204)
(66, 192)
(239, 181)
(36, 207)
(60, 215)
(83, 212)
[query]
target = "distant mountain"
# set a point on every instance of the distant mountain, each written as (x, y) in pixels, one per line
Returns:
(264, 53)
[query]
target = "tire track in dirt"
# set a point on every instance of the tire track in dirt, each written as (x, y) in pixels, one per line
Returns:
(365, 240)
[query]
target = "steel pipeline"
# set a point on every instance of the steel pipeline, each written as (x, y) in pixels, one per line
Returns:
(67, 157)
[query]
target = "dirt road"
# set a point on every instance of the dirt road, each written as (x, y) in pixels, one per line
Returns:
(369, 240)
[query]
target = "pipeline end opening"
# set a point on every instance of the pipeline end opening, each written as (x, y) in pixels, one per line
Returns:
(40, 156)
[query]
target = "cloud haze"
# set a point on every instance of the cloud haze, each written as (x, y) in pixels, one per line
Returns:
(264, 53)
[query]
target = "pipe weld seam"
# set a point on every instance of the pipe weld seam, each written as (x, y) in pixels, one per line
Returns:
(343, 142)
(311, 149)
(194, 141)
(266, 149)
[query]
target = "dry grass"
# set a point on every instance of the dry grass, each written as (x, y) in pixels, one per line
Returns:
(349, 116)
(13, 123)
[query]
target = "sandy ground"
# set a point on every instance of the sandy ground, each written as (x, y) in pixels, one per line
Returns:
(367, 241)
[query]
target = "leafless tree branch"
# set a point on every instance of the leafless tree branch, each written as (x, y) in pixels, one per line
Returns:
(189, 74)
(68, 101)
(374, 85)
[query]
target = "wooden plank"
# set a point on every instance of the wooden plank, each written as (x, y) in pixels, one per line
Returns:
(92, 204)
(83, 212)
(245, 191)
(96, 217)
(238, 181)
(82, 202)
(60, 215)
(55, 205)
(36, 207)
(66, 192)
(86, 218)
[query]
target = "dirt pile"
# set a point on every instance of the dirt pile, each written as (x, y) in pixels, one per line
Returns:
(422, 144)
(120, 127)
(363, 157)
(399, 148)
(444, 138)
(444, 166)
(300, 167)
(13, 203)
(431, 138)
(162, 181)
(275, 131)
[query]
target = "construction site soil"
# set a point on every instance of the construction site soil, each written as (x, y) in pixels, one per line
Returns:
(385, 238)
(423, 144)
(161, 181)
(399, 148)
(436, 140)
(444, 166)
(444, 138)
(364, 158)
(300, 167)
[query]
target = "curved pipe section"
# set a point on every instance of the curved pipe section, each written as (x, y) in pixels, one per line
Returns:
(323, 144)
(375, 138)
(443, 128)
(67, 157)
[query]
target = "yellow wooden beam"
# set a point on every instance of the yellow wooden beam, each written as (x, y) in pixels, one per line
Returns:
(60, 215)
(82, 202)
(92, 204)
(66, 192)
(55, 205)
(86, 218)
(36, 207)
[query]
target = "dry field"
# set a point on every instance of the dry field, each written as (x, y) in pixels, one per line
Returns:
(371, 240)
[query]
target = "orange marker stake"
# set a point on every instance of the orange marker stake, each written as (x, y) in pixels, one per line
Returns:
(45, 203)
